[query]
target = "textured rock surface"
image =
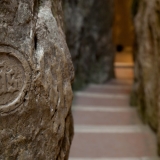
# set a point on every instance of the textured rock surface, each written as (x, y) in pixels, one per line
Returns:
(35, 81)
(147, 64)
(147, 29)
(88, 25)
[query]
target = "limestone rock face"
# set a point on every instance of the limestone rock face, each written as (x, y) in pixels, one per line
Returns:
(88, 25)
(35, 81)
(147, 64)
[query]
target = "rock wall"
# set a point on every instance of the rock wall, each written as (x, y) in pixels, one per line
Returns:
(88, 25)
(35, 81)
(147, 61)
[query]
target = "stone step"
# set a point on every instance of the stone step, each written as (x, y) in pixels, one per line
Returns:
(105, 116)
(99, 95)
(109, 85)
(124, 73)
(120, 82)
(108, 89)
(101, 100)
(114, 142)
(103, 108)
(126, 158)
(110, 129)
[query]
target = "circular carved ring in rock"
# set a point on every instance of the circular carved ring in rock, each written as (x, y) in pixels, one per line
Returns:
(15, 78)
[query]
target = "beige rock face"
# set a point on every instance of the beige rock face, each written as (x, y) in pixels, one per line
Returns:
(147, 27)
(35, 81)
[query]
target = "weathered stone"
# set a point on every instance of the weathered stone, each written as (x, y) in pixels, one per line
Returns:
(88, 25)
(35, 81)
(147, 64)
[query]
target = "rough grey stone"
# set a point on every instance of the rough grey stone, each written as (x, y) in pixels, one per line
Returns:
(35, 81)
(88, 25)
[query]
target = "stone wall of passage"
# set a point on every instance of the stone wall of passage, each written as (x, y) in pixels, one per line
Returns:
(147, 61)
(36, 72)
(88, 25)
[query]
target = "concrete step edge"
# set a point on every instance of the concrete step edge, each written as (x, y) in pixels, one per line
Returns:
(111, 129)
(110, 86)
(126, 158)
(100, 95)
(102, 108)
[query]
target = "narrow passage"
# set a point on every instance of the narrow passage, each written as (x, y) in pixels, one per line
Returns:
(107, 127)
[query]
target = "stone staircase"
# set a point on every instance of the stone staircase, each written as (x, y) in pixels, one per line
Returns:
(107, 128)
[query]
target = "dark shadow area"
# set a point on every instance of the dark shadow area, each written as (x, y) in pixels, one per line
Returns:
(119, 48)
